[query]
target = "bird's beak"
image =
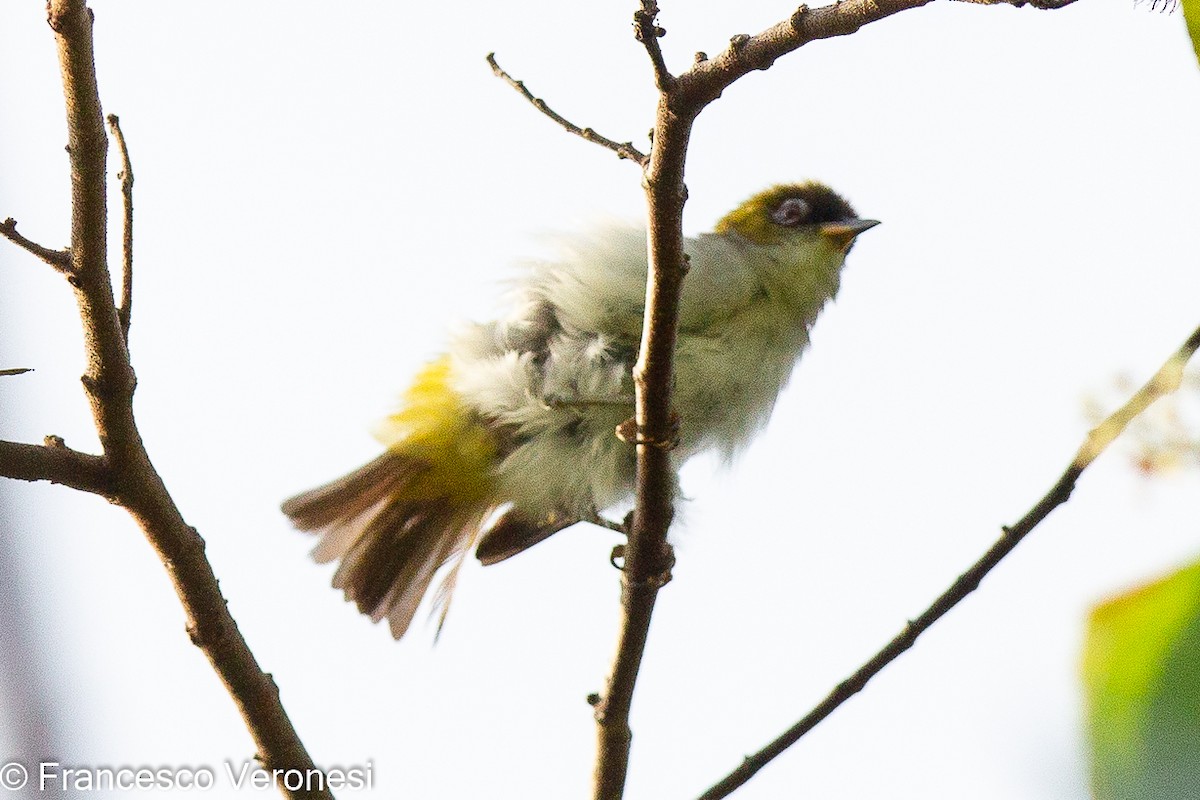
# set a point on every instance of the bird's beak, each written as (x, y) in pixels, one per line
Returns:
(842, 233)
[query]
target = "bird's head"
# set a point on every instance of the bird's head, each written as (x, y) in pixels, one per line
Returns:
(809, 213)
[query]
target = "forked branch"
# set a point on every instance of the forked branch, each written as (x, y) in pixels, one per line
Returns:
(681, 99)
(124, 473)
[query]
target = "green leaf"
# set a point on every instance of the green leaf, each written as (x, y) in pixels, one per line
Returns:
(1141, 675)
(1191, 12)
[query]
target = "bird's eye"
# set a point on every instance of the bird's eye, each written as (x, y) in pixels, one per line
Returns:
(791, 212)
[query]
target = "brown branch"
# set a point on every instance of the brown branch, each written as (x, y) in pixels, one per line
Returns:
(622, 149)
(1045, 5)
(1167, 380)
(681, 99)
(109, 382)
(57, 463)
(125, 309)
(59, 259)
(647, 556)
(647, 31)
(16, 371)
(1164, 382)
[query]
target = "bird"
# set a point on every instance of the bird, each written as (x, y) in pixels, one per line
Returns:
(511, 435)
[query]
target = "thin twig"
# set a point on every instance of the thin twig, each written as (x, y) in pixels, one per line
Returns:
(16, 371)
(109, 383)
(622, 149)
(1044, 5)
(1164, 382)
(125, 308)
(647, 555)
(647, 31)
(59, 259)
(1167, 380)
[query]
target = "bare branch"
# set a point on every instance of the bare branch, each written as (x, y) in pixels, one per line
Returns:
(1045, 5)
(648, 557)
(1164, 382)
(57, 463)
(16, 371)
(59, 259)
(622, 149)
(1167, 380)
(125, 309)
(707, 78)
(647, 31)
(109, 382)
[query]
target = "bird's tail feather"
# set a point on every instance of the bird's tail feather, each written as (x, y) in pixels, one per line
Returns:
(391, 535)
(513, 532)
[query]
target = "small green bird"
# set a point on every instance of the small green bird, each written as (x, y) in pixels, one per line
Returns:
(509, 437)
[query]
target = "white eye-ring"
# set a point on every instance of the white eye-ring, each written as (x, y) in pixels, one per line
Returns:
(791, 212)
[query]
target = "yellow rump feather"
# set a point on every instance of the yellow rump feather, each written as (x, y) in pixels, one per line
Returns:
(434, 426)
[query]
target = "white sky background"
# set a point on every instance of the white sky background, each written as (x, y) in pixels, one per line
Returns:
(321, 191)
